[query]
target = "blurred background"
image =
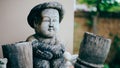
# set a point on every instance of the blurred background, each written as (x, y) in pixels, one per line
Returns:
(101, 17)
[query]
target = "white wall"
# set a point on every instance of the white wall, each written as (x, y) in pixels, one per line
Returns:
(14, 26)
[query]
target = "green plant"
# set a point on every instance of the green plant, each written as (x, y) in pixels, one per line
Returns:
(89, 23)
(115, 62)
(102, 5)
(106, 66)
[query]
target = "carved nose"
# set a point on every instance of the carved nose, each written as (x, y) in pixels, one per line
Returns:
(51, 24)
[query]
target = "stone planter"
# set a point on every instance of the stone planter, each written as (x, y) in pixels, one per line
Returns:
(93, 51)
(19, 55)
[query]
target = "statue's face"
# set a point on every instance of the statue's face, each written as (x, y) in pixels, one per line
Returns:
(50, 23)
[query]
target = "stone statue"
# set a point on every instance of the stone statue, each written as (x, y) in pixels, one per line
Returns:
(48, 50)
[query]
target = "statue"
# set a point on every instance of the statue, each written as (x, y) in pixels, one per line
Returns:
(48, 50)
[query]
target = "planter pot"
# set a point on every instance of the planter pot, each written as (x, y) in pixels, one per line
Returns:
(93, 51)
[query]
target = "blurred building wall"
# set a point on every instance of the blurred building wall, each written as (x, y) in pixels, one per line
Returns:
(105, 27)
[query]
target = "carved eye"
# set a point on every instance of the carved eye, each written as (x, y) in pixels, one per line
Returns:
(54, 20)
(45, 19)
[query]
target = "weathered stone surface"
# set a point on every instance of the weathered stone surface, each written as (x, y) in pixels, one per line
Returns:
(19, 55)
(93, 51)
(3, 62)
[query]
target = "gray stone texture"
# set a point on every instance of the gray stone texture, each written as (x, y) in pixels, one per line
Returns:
(93, 51)
(3, 62)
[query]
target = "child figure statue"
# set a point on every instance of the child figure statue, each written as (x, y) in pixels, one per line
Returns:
(47, 49)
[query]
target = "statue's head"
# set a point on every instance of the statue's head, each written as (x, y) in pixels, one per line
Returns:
(45, 18)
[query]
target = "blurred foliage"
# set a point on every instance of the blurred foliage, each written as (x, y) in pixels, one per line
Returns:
(88, 2)
(116, 41)
(102, 5)
(115, 62)
(106, 66)
(89, 22)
